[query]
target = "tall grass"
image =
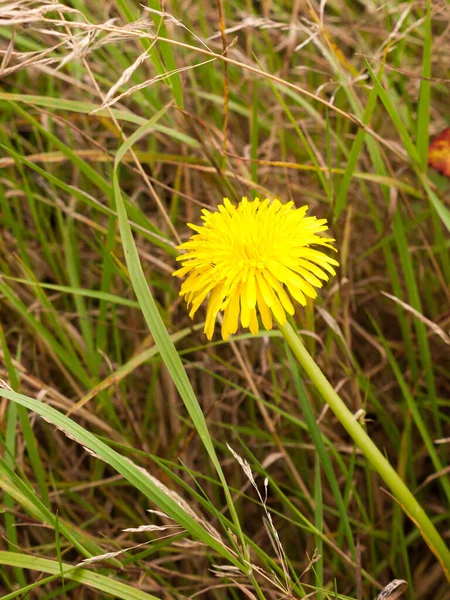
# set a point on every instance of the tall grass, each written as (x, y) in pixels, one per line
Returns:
(113, 403)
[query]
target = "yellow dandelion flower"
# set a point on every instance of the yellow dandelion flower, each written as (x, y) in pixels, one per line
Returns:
(252, 258)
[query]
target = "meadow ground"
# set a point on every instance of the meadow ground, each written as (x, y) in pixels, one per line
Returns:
(119, 123)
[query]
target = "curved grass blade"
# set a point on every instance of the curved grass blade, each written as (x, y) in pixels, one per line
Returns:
(104, 584)
(155, 322)
(138, 477)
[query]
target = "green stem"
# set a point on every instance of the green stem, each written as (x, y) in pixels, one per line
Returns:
(399, 489)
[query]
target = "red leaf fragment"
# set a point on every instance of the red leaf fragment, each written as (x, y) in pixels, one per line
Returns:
(439, 152)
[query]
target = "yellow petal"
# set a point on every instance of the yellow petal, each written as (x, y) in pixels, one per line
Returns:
(251, 289)
(245, 311)
(254, 326)
(199, 297)
(214, 303)
(231, 317)
(284, 298)
(296, 294)
(266, 315)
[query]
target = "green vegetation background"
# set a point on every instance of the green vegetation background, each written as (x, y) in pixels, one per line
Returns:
(118, 124)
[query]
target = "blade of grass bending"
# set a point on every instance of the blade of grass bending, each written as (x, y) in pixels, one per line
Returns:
(156, 325)
(136, 476)
(109, 586)
(319, 444)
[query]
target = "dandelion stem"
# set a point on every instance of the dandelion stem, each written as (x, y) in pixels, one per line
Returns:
(378, 461)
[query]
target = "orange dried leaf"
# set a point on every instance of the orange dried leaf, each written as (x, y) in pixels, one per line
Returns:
(439, 152)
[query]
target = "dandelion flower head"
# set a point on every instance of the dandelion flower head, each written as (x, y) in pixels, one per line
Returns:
(252, 259)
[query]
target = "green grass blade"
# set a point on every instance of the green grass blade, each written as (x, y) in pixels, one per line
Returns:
(101, 334)
(101, 583)
(423, 108)
(394, 115)
(441, 209)
(344, 184)
(70, 247)
(88, 107)
(77, 291)
(138, 478)
(156, 325)
(412, 286)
